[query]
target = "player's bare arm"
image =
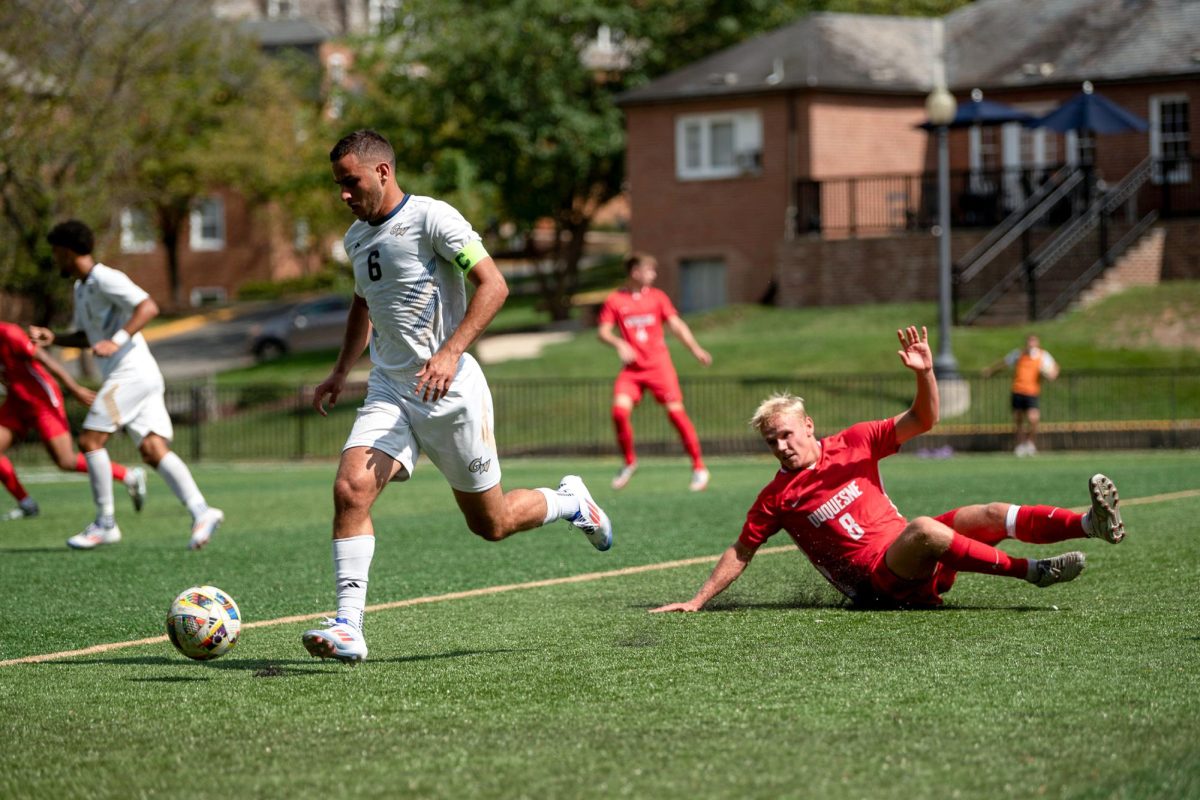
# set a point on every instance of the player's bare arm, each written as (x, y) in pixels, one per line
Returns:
(354, 341)
(44, 337)
(142, 314)
(732, 564)
(606, 333)
(923, 414)
(491, 290)
(80, 392)
(681, 329)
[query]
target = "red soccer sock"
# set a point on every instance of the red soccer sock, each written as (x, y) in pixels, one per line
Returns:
(621, 421)
(968, 555)
(1046, 524)
(8, 476)
(118, 470)
(687, 432)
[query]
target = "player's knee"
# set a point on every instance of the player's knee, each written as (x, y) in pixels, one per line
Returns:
(65, 463)
(926, 533)
(351, 492)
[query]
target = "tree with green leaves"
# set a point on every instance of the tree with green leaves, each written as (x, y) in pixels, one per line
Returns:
(505, 86)
(136, 103)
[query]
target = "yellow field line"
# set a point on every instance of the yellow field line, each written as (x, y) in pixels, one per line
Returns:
(490, 590)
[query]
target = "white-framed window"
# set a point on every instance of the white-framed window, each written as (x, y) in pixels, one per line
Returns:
(1170, 138)
(207, 224)
(381, 14)
(281, 9)
(137, 231)
(721, 145)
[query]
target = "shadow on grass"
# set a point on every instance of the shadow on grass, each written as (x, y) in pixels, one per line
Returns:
(260, 667)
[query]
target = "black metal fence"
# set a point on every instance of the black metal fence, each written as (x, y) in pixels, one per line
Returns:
(277, 422)
(877, 204)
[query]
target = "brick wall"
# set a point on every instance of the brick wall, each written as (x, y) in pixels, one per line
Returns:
(822, 272)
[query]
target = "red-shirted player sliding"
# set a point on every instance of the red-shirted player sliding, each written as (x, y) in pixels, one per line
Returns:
(829, 497)
(35, 402)
(639, 311)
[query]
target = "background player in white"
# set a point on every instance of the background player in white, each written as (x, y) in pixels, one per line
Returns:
(110, 312)
(412, 256)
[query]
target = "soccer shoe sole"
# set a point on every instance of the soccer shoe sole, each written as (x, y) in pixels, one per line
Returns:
(1061, 569)
(319, 646)
(1105, 505)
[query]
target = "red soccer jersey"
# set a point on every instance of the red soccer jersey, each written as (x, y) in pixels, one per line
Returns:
(640, 317)
(25, 377)
(836, 511)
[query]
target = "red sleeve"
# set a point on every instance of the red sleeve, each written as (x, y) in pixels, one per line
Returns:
(16, 341)
(608, 312)
(878, 437)
(761, 523)
(666, 307)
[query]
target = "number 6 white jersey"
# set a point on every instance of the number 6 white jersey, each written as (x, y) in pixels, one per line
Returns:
(404, 268)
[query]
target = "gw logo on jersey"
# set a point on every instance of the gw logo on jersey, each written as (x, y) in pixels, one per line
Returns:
(399, 229)
(480, 465)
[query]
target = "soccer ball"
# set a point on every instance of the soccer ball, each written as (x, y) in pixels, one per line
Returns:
(204, 623)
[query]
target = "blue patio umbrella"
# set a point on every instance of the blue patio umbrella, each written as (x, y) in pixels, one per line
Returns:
(983, 112)
(1090, 112)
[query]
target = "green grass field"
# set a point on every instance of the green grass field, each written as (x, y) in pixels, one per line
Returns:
(1084, 690)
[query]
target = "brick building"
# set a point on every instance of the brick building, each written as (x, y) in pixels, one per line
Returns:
(791, 166)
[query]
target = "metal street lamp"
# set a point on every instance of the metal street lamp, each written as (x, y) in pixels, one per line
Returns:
(941, 108)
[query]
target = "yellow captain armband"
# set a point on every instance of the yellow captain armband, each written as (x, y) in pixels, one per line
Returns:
(470, 255)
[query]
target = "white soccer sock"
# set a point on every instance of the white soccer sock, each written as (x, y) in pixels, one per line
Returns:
(99, 467)
(1010, 521)
(179, 478)
(351, 564)
(559, 505)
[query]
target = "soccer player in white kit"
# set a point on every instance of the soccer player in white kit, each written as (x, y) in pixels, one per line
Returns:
(110, 312)
(412, 256)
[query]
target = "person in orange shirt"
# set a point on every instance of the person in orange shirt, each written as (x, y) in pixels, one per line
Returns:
(1029, 365)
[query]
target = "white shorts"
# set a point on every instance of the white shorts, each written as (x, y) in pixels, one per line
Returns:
(455, 432)
(132, 402)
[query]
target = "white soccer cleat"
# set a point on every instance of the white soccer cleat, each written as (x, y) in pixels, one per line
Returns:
(205, 526)
(1104, 520)
(621, 480)
(590, 518)
(93, 536)
(1060, 569)
(338, 639)
(28, 508)
(135, 484)
(699, 480)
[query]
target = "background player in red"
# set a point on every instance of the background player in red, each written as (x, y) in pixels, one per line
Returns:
(35, 402)
(638, 311)
(829, 497)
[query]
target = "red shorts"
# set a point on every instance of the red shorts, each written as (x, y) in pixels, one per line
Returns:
(662, 382)
(21, 416)
(889, 589)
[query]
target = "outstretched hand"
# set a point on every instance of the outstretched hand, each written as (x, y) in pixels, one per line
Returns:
(914, 349)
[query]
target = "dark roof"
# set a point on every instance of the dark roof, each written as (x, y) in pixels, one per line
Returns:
(989, 44)
(829, 50)
(1070, 41)
(293, 32)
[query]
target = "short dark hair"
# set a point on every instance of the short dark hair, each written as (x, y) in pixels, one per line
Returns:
(73, 235)
(636, 259)
(365, 144)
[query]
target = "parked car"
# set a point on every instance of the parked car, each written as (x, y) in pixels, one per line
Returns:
(315, 324)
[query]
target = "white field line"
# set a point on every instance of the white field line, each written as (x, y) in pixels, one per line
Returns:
(490, 590)
(413, 601)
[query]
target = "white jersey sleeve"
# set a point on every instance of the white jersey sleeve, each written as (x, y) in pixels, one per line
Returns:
(104, 303)
(449, 231)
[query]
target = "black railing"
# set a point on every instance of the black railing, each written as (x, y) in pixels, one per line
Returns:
(879, 204)
(277, 422)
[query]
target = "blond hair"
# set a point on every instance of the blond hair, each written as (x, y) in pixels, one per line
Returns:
(776, 405)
